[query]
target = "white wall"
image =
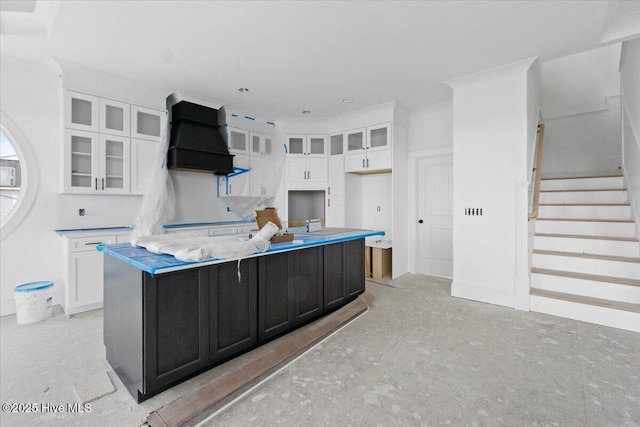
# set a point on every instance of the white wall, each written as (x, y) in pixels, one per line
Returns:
(583, 144)
(581, 113)
(490, 133)
(630, 79)
(431, 127)
(580, 83)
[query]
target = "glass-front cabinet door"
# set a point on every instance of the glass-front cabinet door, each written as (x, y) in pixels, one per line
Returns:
(147, 123)
(261, 145)
(296, 145)
(336, 144)
(114, 117)
(81, 151)
(81, 111)
(256, 144)
(238, 141)
(356, 140)
(114, 165)
(268, 146)
(317, 145)
(379, 137)
(96, 163)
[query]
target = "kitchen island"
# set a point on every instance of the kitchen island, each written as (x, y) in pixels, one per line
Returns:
(166, 320)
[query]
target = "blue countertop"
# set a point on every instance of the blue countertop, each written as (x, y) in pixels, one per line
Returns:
(162, 263)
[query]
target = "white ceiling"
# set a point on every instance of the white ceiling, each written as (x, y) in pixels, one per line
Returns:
(309, 55)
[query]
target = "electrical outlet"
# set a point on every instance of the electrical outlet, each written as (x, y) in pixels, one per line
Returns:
(473, 211)
(81, 212)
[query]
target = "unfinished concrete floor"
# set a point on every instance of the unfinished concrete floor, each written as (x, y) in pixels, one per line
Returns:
(418, 357)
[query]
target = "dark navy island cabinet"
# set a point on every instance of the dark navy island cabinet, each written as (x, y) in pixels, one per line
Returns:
(162, 329)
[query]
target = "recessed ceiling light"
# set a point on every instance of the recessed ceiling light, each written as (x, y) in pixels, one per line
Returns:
(243, 90)
(306, 112)
(347, 100)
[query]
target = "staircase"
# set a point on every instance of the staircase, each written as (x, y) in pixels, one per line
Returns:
(586, 258)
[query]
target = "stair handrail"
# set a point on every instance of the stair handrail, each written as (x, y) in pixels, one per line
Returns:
(538, 172)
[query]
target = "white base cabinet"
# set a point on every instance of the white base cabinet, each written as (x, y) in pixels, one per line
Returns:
(85, 273)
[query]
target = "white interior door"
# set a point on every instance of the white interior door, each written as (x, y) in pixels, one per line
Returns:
(434, 243)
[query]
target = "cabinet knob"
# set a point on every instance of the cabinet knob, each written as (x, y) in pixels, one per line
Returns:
(420, 221)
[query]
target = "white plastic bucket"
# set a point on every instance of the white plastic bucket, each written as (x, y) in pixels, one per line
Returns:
(33, 302)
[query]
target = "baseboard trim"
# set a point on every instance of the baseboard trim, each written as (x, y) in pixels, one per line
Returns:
(482, 294)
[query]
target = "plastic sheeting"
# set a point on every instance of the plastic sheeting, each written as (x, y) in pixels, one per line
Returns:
(194, 248)
(259, 185)
(158, 201)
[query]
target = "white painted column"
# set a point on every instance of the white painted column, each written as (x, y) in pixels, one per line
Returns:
(491, 115)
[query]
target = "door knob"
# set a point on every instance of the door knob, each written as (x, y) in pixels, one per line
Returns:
(420, 221)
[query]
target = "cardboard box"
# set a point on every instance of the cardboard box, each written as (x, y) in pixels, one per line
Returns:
(271, 214)
(377, 257)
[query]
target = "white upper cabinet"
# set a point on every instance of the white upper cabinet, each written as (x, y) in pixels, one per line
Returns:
(336, 145)
(307, 162)
(260, 163)
(115, 117)
(356, 141)
(81, 111)
(307, 145)
(147, 123)
(95, 163)
(99, 155)
(80, 165)
(369, 149)
(114, 164)
(296, 145)
(237, 141)
(253, 153)
(261, 145)
(144, 161)
(379, 137)
(317, 145)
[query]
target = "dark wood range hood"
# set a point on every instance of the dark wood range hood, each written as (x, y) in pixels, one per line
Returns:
(196, 142)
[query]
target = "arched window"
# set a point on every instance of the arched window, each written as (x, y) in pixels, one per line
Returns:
(18, 176)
